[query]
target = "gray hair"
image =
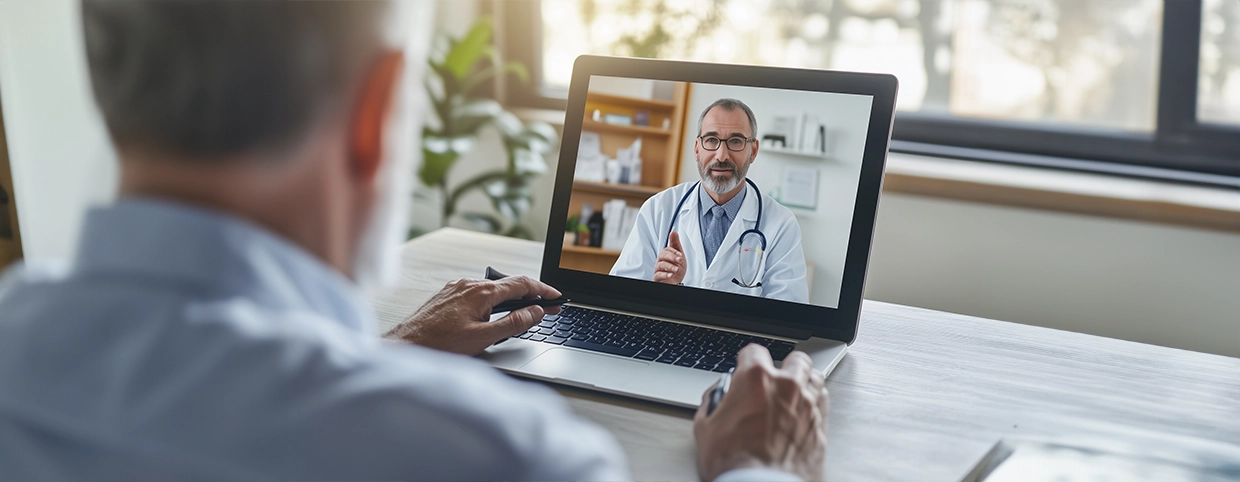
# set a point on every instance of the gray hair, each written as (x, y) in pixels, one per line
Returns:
(205, 79)
(731, 104)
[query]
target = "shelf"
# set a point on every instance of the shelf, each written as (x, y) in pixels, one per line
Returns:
(591, 125)
(608, 188)
(591, 250)
(790, 152)
(655, 105)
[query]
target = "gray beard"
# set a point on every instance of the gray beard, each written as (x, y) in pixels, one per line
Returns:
(720, 185)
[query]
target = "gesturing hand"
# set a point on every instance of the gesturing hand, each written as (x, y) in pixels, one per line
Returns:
(455, 319)
(670, 268)
(770, 418)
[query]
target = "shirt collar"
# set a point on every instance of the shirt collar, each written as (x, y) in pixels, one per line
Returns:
(705, 202)
(211, 254)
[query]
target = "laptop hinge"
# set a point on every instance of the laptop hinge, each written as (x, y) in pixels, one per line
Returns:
(695, 316)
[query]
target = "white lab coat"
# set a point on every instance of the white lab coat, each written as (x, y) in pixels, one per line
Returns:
(784, 276)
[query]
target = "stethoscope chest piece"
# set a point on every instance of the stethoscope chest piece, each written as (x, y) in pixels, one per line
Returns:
(751, 253)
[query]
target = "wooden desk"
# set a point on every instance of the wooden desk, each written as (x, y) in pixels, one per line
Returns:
(922, 395)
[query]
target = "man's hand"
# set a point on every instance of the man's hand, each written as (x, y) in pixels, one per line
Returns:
(770, 418)
(670, 268)
(455, 319)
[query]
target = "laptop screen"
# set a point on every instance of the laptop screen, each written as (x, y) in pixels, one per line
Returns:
(737, 189)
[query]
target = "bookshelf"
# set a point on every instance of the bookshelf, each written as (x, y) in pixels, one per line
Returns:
(10, 237)
(661, 148)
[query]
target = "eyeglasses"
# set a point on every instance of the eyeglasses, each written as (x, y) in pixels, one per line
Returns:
(735, 144)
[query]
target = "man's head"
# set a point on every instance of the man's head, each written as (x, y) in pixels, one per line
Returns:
(725, 147)
(274, 111)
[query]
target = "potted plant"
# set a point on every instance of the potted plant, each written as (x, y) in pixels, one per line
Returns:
(570, 231)
(457, 68)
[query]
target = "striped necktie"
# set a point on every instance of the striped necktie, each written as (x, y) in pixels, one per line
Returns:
(715, 231)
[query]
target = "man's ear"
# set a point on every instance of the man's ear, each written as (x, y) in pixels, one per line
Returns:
(378, 91)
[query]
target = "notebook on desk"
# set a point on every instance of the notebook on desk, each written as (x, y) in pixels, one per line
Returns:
(712, 206)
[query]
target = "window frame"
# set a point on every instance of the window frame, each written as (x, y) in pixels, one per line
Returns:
(1180, 148)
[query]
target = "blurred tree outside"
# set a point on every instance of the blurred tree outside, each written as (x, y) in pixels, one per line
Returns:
(1061, 61)
(1219, 86)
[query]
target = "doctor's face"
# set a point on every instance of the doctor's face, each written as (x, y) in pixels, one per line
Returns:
(723, 170)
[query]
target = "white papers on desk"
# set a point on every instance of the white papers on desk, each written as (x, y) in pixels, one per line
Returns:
(618, 222)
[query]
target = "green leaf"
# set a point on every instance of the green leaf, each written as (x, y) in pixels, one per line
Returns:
(526, 162)
(509, 125)
(511, 196)
(469, 116)
(543, 130)
(477, 78)
(479, 181)
(484, 222)
(415, 232)
(435, 166)
(466, 52)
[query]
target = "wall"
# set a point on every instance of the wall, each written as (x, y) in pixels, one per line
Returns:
(824, 230)
(1144, 282)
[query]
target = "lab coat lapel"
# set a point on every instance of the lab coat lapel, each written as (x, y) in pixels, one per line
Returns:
(688, 226)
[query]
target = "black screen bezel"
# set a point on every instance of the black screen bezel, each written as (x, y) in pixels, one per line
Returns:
(709, 306)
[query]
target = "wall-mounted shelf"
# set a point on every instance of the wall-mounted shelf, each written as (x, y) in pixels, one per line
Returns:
(592, 125)
(616, 189)
(592, 250)
(792, 152)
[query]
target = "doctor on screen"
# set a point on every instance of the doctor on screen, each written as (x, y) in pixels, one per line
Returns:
(721, 232)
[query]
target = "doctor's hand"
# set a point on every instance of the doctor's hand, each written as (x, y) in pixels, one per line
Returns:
(455, 319)
(773, 418)
(670, 267)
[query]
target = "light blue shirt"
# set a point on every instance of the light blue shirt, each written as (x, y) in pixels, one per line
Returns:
(183, 344)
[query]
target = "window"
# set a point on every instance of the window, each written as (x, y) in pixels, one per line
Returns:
(1018, 80)
(1218, 95)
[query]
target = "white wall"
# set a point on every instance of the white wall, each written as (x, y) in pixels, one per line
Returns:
(61, 157)
(1144, 282)
(825, 229)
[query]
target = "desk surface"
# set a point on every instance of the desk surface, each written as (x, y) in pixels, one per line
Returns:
(922, 394)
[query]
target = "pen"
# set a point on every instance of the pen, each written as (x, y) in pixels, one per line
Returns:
(720, 390)
(511, 305)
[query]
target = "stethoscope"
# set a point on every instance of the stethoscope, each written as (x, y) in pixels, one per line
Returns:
(753, 283)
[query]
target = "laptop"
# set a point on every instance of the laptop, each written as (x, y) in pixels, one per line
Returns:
(665, 289)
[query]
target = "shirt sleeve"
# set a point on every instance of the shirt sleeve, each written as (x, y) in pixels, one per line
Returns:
(756, 475)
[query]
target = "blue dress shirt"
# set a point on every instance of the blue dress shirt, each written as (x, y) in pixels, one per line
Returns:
(183, 344)
(710, 245)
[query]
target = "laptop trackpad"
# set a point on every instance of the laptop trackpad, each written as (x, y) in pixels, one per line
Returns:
(582, 367)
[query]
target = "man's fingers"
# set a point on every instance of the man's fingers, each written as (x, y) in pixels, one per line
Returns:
(665, 267)
(672, 256)
(518, 287)
(754, 354)
(515, 322)
(674, 241)
(801, 366)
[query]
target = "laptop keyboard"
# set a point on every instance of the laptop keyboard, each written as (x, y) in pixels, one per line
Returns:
(647, 339)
